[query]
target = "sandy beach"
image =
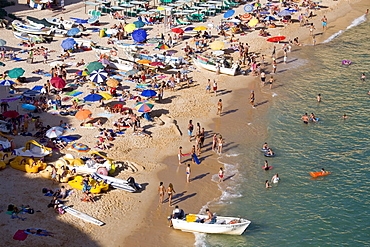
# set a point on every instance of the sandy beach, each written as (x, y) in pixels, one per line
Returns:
(138, 219)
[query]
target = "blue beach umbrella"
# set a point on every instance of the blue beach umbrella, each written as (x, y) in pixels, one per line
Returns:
(73, 31)
(229, 13)
(68, 43)
(28, 107)
(139, 35)
(270, 18)
(248, 8)
(93, 97)
(31, 93)
(284, 13)
(7, 83)
(264, 12)
(98, 76)
(188, 29)
(148, 93)
(291, 10)
(132, 72)
(139, 24)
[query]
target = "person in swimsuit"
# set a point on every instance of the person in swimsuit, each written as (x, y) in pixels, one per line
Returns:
(190, 129)
(312, 28)
(266, 166)
(265, 146)
(344, 116)
(220, 144)
(323, 171)
(193, 151)
(318, 98)
(271, 81)
(275, 179)
(219, 107)
(305, 118)
(208, 87)
(179, 155)
(188, 171)
(363, 77)
(267, 185)
(251, 98)
(220, 175)
(270, 152)
(170, 192)
(324, 22)
(313, 117)
(214, 142)
(161, 191)
(215, 87)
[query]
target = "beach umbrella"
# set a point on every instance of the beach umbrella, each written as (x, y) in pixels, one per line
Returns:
(233, 20)
(163, 46)
(10, 114)
(7, 83)
(248, 8)
(200, 28)
(2, 64)
(229, 13)
(185, 71)
(144, 106)
(68, 43)
(93, 97)
(83, 114)
(129, 27)
(96, 65)
(217, 45)
(270, 18)
(291, 10)
(153, 41)
(257, 5)
(31, 93)
(148, 93)
(276, 39)
(54, 132)
(104, 61)
(98, 76)
(106, 96)
(57, 82)
(28, 107)
(157, 64)
(139, 35)
(264, 13)
(73, 31)
(112, 83)
(177, 30)
(253, 22)
(139, 24)
(2, 42)
(144, 61)
(246, 17)
(83, 72)
(69, 138)
(80, 147)
(16, 72)
(132, 72)
(284, 13)
(188, 29)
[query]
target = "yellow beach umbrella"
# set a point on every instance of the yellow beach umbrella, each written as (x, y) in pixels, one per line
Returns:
(106, 96)
(144, 61)
(253, 22)
(130, 27)
(200, 28)
(217, 45)
(160, 8)
(112, 83)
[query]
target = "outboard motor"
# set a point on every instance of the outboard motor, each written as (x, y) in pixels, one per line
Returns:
(131, 182)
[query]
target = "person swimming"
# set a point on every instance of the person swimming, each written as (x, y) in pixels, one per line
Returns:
(313, 117)
(305, 118)
(270, 152)
(323, 171)
(275, 179)
(266, 166)
(265, 146)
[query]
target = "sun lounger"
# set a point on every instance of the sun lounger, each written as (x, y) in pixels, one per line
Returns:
(182, 22)
(37, 88)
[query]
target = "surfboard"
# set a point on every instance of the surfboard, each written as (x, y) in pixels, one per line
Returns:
(196, 159)
(82, 216)
(114, 182)
(318, 174)
(270, 167)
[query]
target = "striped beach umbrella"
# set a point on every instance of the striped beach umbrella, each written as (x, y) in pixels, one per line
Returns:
(83, 72)
(163, 46)
(80, 147)
(7, 83)
(98, 76)
(54, 132)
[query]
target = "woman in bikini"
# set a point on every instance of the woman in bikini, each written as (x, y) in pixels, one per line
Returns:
(220, 144)
(161, 191)
(170, 192)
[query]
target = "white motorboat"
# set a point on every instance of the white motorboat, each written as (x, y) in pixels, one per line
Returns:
(121, 64)
(19, 26)
(218, 225)
(211, 64)
(62, 24)
(104, 50)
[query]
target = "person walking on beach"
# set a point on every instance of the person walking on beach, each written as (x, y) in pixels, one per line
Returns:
(220, 175)
(312, 28)
(188, 171)
(263, 78)
(220, 144)
(271, 81)
(193, 152)
(215, 87)
(190, 129)
(214, 142)
(251, 99)
(161, 191)
(219, 107)
(180, 154)
(324, 22)
(274, 66)
(170, 192)
(208, 87)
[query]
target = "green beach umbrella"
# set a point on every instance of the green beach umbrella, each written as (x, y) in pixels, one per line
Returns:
(16, 72)
(94, 66)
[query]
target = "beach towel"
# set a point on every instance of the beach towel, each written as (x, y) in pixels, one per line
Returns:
(107, 115)
(18, 59)
(73, 93)
(47, 75)
(20, 235)
(37, 88)
(66, 98)
(117, 77)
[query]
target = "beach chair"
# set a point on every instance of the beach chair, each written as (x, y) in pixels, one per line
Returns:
(182, 22)
(231, 4)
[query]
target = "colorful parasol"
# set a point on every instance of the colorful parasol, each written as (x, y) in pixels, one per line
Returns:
(80, 147)
(144, 106)
(253, 22)
(177, 30)
(10, 114)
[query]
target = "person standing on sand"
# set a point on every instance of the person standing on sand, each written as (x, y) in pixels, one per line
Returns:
(161, 191)
(251, 98)
(220, 144)
(274, 66)
(180, 155)
(219, 107)
(190, 129)
(220, 175)
(271, 81)
(170, 192)
(312, 28)
(215, 87)
(193, 151)
(263, 78)
(188, 171)
(208, 87)
(324, 22)
(214, 142)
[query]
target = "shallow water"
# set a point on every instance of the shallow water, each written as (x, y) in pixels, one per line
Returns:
(301, 211)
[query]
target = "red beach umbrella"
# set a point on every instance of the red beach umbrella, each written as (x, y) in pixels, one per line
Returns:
(246, 17)
(57, 82)
(177, 30)
(11, 114)
(276, 39)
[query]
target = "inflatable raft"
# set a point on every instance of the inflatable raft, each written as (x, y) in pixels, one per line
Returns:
(319, 174)
(96, 187)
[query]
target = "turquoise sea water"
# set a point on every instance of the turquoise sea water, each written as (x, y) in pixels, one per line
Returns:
(301, 211)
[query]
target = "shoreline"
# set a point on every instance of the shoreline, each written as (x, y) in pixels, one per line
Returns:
(153, 166)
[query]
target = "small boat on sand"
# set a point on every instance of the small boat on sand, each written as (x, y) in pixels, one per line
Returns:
(218, 225)
(214, 64)
(62, 24)
(19, 26)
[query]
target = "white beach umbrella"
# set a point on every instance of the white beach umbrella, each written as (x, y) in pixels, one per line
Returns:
(54, 132)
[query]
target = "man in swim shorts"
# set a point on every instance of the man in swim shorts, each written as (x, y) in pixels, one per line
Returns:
(305, 118)
(324, 22)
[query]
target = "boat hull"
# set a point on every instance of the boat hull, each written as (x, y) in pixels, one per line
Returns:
(223, 225)
(17, 25)
(228, 71)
